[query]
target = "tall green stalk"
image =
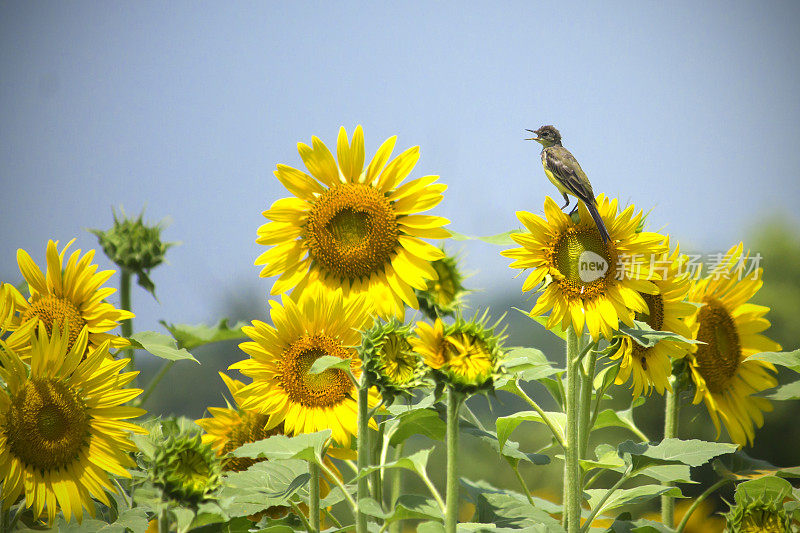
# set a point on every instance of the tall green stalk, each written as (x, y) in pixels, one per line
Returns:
(313, 497)
(163, 519)
(572, 475)
(125, 303)
(584, 422)
(364, 451)
(451, 505)
(396, 487)
(670, 431)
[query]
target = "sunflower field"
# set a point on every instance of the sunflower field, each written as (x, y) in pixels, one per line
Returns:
(360, 403)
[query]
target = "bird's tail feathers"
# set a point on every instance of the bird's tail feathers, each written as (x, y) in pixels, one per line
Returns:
(601, 227)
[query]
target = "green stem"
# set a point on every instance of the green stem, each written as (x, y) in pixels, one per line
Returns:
(670, 431)
(165, 367)
(587, 380)
(377, 476)
(605, 498)
(5, 518)
(522, 484)
(299, 512)
(363, 451)
(163, 520)
(572, 489)
(451, 512)
(696, 503)
(396, 487)
(125, 303)
(330, 476)
(313, 497)
(545, 418)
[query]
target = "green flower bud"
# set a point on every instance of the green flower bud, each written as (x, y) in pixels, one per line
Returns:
(443, 296)
(389, 361)
(186, 470)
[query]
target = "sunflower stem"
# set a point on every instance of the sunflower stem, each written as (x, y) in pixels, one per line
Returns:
(587, 379)
(396, 487)
(313, 497)
(125, 303)
(165, 367)
(363, 450)
(451, 505)
(670, 431)
(522, 483)
(163, 520)
(697, 501)
(377, 476)
(572, 489)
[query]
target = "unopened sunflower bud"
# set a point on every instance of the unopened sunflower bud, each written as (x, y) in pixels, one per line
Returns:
(442, 296)
(186, 470)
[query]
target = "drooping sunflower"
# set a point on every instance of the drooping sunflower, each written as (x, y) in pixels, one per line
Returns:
(228, 428)
(71, 292)
(321, 323)
(62, 428)
(353, 228)
(667, 311)
(730, 328)
(444, 295)
(586, 280)
(466, 354)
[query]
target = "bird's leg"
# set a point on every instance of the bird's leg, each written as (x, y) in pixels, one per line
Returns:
(567, 200)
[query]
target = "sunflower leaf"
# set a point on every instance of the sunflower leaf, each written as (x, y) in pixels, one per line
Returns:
(787, 359)
(191, 336)
(670, 451)
(416, 462)
(633, 495)
(264, 484)
(407, 507)
(503, 509)
(789, 391)
(501, 239)
(327, 362)
(542, 321)
(160, 345)
(509, 449)
(648, 337)
(307, 446)
(506, 425)
(416, 422)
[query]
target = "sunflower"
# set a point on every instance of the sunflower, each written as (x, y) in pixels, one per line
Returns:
(389, 361)
(228, 428)
(353, 228)
(730, 329)
(667, 311)
(321, 323)
(444, 295)
(465, 354)
(62, 428)
(590, 282)
(70, 293)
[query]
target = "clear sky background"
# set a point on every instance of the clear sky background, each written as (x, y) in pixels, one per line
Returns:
(689, 108)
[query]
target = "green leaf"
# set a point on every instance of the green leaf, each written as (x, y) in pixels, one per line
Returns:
(621, 497)
(740, 466)
(787, 359)
(416, 462)
(789, 391)
(407, 507)
(542, 321)
(506, 425)
(510, 450)
(638, 526)
(417, 422)
(191, 336)
(501, 239)
(507, 509)
(264, 484)
(327, 362)
(160, 345)
(648, 337)
(768, 489)
(307, 446)
(689, 452)
(524, 364)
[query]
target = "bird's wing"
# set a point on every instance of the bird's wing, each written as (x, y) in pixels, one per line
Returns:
(566, 168)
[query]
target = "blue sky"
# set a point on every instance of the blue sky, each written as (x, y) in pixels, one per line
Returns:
(687, 108)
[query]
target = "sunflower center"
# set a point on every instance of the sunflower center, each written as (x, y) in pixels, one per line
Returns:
(719, 357)
(326, 389)
(468, 359)
(47, 424)
(51, 310)
(444, 288)
(250, 429)
(583, 261)
(762, 521)
(398, 359)
(352, 231)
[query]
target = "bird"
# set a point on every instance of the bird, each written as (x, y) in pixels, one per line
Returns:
(563, 170)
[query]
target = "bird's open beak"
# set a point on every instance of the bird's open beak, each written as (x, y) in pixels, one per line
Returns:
(533, 138)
